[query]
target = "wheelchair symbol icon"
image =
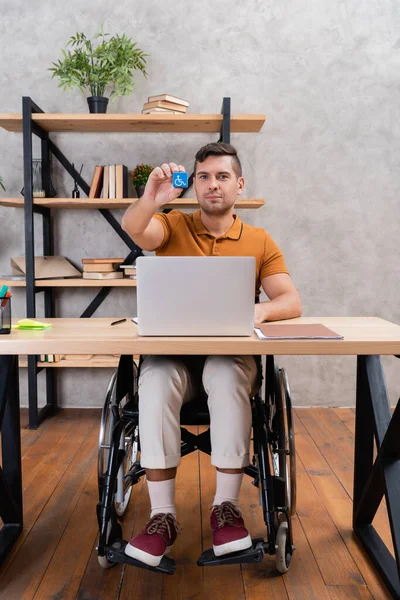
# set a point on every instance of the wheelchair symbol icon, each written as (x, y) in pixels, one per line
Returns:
(180, 180)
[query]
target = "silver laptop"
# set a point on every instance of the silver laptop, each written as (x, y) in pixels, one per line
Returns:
(195, 295)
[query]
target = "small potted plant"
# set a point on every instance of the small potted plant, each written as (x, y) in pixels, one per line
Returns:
(140, 175)
(108, 67)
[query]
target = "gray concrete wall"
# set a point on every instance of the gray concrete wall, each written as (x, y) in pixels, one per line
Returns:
(326, 74)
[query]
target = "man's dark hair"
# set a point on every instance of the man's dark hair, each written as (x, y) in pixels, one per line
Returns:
(219, 149)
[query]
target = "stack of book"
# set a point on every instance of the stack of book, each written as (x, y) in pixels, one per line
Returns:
(165, 103)
(51, 357)
(102, 268)
(109, 181)
(129, 271)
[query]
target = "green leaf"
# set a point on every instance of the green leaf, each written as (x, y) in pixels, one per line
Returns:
(112, 63)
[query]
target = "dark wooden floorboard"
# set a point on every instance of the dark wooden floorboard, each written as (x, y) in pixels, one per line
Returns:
(55, 558)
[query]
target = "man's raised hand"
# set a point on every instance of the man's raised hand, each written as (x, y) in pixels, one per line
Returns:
(159, 187)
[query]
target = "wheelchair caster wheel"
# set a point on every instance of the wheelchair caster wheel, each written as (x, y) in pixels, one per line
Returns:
(105, 563)
(283, 550)
(114, 532)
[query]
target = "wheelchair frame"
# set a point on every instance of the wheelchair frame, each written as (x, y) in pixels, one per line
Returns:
(273, 468)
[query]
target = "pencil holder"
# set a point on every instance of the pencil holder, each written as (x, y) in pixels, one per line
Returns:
(5, 315)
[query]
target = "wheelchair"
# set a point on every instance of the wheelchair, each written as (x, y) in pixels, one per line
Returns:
(273, 467)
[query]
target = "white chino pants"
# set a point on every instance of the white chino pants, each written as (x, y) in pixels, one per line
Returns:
(166, 382)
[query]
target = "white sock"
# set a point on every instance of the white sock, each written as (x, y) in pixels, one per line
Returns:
(162, 496)
(228, 488)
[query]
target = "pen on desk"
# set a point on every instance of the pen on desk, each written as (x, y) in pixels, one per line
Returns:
(120, 321)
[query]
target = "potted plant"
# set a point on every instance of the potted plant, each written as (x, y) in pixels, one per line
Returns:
(140, 175)
(107, 67)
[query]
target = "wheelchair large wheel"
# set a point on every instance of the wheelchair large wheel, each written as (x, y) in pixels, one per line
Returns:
(282, 446)
(129, 442)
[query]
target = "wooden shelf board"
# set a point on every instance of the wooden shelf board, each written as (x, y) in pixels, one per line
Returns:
(78, 282)
(156, 123)
(178, 203)
(101, 361)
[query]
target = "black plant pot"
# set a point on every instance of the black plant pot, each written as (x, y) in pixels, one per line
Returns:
(140, 190)
(97, 104)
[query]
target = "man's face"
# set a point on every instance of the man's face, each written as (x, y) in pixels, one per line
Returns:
(216, 185)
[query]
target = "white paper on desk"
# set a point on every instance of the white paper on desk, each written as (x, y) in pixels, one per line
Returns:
(259, 334)
(135, 320)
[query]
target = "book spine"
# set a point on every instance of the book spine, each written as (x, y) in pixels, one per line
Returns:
(124, 181)
(106, 180)
(111, 185)
(97, 182)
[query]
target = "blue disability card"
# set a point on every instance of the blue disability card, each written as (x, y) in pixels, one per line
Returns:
(179, 179)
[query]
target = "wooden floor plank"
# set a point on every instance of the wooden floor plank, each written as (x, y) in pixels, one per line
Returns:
(338, 460)
(331, 423)
(103, 584)
(304, 581)
(225, 582)
(55, 557)
(317, 466)
(341, 464)
(347, 416)
(341, 512)
(68, 564)
(330, 552)
(339, 506)
(48, 473)
(188, 579)
(41, 451)
(24, 575)
(24, 417)
(139, 583)
(349, 592)
(29, 436)
(261, 580)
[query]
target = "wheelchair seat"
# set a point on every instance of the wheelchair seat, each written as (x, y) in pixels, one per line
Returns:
(194, 412)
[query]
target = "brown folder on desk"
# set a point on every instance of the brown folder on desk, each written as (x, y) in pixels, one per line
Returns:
(298, 331)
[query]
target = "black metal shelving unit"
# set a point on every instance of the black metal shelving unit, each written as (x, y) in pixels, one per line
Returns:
(48, 148)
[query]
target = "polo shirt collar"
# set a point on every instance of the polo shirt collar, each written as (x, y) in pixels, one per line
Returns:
(233, 233)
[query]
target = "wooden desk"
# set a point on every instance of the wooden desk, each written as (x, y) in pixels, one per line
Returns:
(362, 336)
(365, 337)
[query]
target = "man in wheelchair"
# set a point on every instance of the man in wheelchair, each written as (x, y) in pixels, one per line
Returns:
(166, 383)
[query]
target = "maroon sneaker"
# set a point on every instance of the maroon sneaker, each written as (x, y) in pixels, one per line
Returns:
(155, 539)
(229, 532)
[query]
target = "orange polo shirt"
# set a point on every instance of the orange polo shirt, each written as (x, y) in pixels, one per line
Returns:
(185, 235)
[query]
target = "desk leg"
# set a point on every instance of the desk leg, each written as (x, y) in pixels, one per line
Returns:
(10, 472)
(373, 480)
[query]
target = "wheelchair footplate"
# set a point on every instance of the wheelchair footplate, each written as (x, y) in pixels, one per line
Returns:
(116, 554)
(251, 555)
